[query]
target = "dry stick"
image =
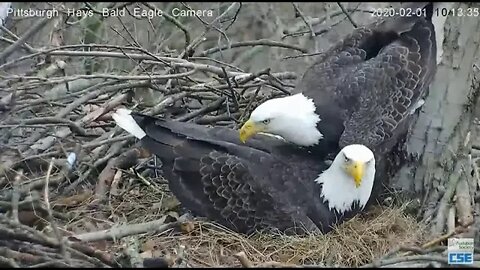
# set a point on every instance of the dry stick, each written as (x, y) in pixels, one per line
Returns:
(444, 237)
(451, 219)
(125, 160)
(51, 120)
(200, 38)
(175, 61)
(16, 196)
(9, 262)
(205, 109)
(46, 100)
(33, 30)
(33, 235)
(222, 32)
(250, 102)
(347, 14)
(206, 120)
(386, 262)
(260, 42)
(62, 114)
(300, 13)
(94, 144)
(438, 240)
(114, 233)
(174, 21)
(230, 87)
(56, 51)
(26, 188)
(63, 133)
(447, 196)
(103, 76)
(53, 224)
(315, 21)
(166, 102)
(462, 204)
(88, 46)
(6, 30)
(90, 251)
(217, 62)
(96, 156)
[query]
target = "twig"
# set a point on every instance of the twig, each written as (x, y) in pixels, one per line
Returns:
(260, 42)
(347, 14)
(116, 233)
(443, 237)
(103, 76)
(462, 204)
(132, 250)
(175, 22)
(9, 262)
(52, 120)
(202, 38)
(300, 13)
(33, 30)
(6, 30)
(147, 183)
(124, 161)
(207, 120)
(62, 51)
(250, 102)
(440, 219)
(232, 92)
(94, 144)
(205, 109)
(181, 260)
(46, 199)
(16, 196)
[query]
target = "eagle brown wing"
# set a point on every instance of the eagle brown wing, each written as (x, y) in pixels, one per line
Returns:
(389, 87)
(365, 86)
(238, 185)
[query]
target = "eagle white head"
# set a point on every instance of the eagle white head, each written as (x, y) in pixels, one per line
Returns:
(292, 117)
(349, 178)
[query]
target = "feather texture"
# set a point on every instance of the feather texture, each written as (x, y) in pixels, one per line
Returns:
(264, 184)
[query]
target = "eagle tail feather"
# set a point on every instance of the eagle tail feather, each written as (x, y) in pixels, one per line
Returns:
(124, 120)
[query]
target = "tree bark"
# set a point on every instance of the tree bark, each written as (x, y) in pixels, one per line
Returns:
(444, 181)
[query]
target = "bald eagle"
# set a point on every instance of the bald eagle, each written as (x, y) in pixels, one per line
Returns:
(363, 90)
(264, 184)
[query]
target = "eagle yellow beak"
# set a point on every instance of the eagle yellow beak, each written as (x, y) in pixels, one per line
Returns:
(248, 130)
(356, 170)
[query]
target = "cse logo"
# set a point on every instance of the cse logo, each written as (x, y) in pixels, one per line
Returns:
(460, 257)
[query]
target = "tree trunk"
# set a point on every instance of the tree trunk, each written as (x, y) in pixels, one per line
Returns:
(444, 181)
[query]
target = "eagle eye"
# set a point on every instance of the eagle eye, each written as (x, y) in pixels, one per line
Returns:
(266, 121)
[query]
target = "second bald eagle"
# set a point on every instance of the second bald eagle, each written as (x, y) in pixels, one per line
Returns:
(363, 90)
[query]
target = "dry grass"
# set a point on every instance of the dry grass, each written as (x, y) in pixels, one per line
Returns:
(354, 243)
